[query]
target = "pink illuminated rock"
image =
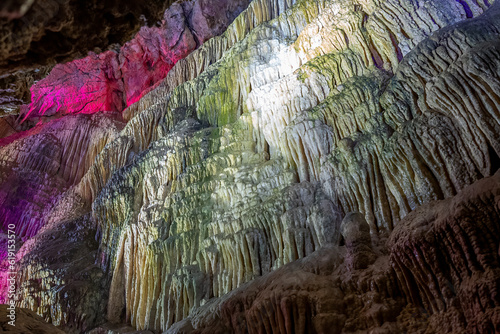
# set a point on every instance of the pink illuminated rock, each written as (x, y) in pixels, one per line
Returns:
(154, 51)
(112, 81)
(82, 86)
(37, 165)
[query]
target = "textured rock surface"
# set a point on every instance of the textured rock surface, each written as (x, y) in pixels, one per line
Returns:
(15, 90)
(319, 167)
(36, 34)
(27, 322)
(115, 79)
(439, 258)
(458, 236)
(36, 30)
(47, 160)
(83, 285)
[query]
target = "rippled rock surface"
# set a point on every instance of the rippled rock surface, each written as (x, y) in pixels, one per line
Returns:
(318, 166)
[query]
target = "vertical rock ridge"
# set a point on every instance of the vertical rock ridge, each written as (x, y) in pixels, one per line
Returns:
(50, 159)
(433, 260)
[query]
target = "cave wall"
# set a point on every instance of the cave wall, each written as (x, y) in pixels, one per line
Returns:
(317, 166)
(35, 35)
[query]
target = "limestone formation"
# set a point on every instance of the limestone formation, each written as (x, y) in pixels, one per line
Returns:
(115, 79)
(48, 159)
(28, 322)
(37, 30)
(291, 166)
(431, 261)
(356, 233)
(35, 35)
